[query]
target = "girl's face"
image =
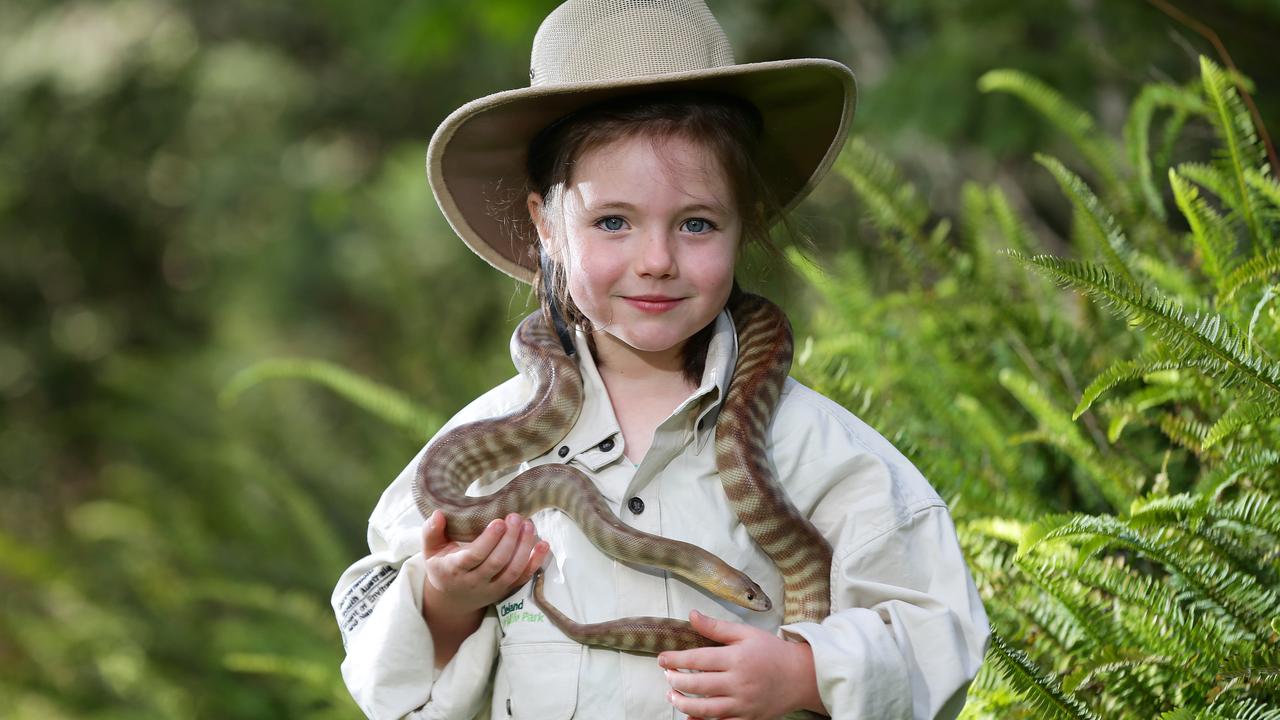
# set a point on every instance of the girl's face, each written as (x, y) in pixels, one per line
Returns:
(649, 238)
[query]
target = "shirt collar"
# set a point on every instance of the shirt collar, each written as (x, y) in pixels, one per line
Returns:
(588, 441)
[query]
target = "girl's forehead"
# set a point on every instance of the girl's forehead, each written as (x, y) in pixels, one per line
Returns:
(635, 168)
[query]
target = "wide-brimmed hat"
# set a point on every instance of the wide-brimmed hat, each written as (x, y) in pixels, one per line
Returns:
(589, 51)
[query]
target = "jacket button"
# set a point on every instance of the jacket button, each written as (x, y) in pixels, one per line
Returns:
(606, 445)
(564, 450)
(636, 505)
(508, 706)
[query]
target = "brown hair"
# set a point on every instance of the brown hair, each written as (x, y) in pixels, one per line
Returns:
(729, 126)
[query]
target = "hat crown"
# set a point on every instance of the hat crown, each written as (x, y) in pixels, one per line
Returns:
(586, 40)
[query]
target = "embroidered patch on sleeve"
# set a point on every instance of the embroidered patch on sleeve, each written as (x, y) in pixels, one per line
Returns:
(362, 596)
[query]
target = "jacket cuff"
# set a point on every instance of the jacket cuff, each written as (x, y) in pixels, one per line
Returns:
(390, 664)
(860, 670)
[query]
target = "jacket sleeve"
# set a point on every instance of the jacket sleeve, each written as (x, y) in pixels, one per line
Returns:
(908, 632)
(390, 660)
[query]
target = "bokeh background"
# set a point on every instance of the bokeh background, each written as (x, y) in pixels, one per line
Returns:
(190, 189)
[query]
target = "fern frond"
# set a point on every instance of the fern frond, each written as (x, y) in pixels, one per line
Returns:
(1239, 415)
(1163, 622)
(1265, 185)
(1184, 431)
(1137, 132)
(1255, 510)
(1258, 267)
(1249, 463)
(1209, 231)
(1246, 709)
(1117, 484)
(1172, 278)
(1151, 361)
(1267, 296)
(894, 204)
(1235, 128)
(1071, 120)
(1210, 339)
(1101, 226)
(1238, 595)
(380, 400)
(1041, 691)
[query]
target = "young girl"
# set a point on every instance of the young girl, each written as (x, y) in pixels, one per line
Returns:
(623, 183)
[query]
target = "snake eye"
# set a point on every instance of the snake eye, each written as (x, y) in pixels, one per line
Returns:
(751, 595)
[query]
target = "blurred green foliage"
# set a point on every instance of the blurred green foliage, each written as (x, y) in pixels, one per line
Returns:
(189, 189)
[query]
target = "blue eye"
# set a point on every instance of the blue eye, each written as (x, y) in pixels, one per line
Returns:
(613, 223)
(698, 225)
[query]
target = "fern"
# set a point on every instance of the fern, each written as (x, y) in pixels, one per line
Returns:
(1137, 132)
(1256, 268)
(1100, 225)
(384, 402)
(1237, 595)
(1071, 120)
(1122, 370)
(1116, 483)
(1208, 339)
(1209, 230)
(1238, 416)
(1235, 129)
(1041, 691)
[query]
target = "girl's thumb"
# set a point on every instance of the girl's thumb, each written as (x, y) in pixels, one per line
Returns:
(433, 536)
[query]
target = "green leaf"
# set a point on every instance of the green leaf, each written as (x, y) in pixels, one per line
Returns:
(1101, 225)
(1137, 132)
(1071, 120)
(384, 402)
(1210, 232)
(1208, 339)
(1235, 128)
(1041, 690)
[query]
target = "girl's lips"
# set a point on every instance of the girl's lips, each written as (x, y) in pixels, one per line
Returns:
(652, 303)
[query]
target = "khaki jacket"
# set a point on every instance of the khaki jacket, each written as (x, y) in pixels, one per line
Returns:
(907, 631)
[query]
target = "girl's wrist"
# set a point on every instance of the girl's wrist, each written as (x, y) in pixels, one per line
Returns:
(438, 610)
(805, 678)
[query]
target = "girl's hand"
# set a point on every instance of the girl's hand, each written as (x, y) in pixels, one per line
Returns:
(756, 674)
(464, 578)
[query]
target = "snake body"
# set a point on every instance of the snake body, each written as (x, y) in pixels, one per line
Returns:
(802, 555)
(468, 451)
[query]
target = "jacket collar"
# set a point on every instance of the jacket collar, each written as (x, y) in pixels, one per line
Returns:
(596, 440)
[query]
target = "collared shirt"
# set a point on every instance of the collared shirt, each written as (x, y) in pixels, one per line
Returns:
(907, 631)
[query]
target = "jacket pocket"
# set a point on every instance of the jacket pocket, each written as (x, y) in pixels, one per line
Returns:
(537, 681)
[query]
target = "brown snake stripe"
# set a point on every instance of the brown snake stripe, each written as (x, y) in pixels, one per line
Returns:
(802, 555)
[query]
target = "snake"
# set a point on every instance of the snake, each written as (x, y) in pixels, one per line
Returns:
(797, 548)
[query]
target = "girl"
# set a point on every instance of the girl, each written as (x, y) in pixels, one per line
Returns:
(623, 183)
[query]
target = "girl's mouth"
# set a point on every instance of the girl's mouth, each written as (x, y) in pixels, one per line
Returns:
(652, 303)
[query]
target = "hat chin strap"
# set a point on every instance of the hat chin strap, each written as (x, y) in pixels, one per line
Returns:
(549, 297)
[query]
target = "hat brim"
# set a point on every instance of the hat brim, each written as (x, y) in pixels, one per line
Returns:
(477, 157)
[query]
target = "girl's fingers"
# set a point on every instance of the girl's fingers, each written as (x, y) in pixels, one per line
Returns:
(694, 683)
(502, 552)
(433, 534)
(706, 659)
(475, 552)
(713, 707)
(520, 557)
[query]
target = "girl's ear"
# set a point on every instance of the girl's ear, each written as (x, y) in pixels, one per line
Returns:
(541, 223)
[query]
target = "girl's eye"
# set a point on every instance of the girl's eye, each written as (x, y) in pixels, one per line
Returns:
(613, 223)
(698, 225)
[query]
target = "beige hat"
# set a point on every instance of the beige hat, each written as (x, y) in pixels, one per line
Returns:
(587, 51)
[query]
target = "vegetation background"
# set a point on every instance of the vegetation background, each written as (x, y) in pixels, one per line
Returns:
(188, 190)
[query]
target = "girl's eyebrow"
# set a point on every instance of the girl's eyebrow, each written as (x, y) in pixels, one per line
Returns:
(623, 205)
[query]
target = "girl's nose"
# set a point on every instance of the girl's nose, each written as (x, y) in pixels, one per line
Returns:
(656, 256)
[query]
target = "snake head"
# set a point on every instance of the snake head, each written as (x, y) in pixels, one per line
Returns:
(755, 598)
(740, 590)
